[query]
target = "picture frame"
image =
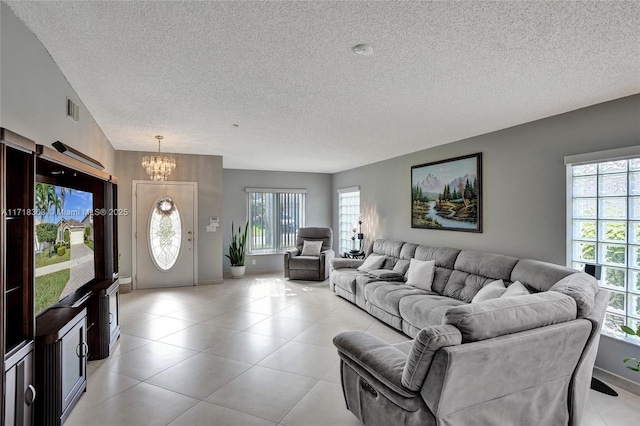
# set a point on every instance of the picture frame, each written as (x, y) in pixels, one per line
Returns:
(447, 195)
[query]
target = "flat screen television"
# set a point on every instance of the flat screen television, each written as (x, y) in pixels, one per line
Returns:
(64, 233)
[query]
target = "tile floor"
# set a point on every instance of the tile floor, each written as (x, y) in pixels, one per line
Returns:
(255, 351)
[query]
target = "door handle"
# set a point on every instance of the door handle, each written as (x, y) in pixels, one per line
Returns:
(30, 395)
(84, 350)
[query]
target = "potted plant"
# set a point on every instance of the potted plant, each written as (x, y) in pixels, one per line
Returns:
(631, 363)
(237, 248)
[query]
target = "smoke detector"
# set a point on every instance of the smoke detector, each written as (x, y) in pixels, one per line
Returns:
(363, 49)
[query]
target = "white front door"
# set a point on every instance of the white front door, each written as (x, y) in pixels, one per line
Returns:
(164, 234)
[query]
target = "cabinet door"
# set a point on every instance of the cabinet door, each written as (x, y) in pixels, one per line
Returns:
(74, 361)
(114, 315)
(20, 393)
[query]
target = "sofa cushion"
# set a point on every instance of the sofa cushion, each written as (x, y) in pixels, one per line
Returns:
(496, 317)
(308, 263)
(489, 265)
(386, 296)
(582, 288)
(316, 234)
(474, 270)
(516, 289)
(385, 274)
(346, 279)
(425, 311)
(389, 248)
(373, 261)
(428, 341)
(493, 290)
(538, 275)
(402, 266)
(445, 257)
(420, 273)
(408, 251)
(311, 248)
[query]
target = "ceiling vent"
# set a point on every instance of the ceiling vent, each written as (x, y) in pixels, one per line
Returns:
(73, 110)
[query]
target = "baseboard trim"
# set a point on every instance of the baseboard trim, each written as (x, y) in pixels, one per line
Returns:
(615, 380)
(207, 282)
(227, 274)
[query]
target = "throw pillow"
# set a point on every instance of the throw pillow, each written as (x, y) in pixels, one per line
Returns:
(420, 273)
(516, 289)
(373, 261)
(385, 274)
(311, 248)
(402, 266)
(492, 290)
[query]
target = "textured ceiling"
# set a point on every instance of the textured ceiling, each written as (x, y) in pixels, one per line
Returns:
(284, 72)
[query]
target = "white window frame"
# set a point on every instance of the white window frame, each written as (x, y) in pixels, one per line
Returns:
(631, 291)
(281, 239)
(345, 227)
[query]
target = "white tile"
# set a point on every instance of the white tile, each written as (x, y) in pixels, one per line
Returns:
(304, 311)
(301, 358)
(267, 305)
(246, 347)
(263, 392)
(350, 316)
(321, 334)
(143, 404)
(199, 376)
(127, 342)
(333, 373)
(207, 414)
(198, 337)
(285, 328)
(236, 319)
(323, 405)
(104, 384)
(147, 360)
(156, 328)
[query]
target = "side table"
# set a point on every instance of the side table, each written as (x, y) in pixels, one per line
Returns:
(353, 254)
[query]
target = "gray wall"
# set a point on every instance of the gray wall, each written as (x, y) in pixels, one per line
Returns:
(524, 190)
(318, 206)
(204, 169)
(33, 95)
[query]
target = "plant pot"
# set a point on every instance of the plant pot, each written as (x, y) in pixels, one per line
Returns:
(237, 271)
(125, 285)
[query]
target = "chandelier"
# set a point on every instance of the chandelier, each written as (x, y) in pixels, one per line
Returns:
(158, 167)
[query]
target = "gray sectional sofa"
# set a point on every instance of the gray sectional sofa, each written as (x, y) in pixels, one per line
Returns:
(519, 360)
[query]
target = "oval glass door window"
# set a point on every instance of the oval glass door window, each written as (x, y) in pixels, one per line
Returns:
(165, 233)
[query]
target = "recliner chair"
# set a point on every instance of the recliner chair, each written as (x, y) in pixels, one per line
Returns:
(314, 265)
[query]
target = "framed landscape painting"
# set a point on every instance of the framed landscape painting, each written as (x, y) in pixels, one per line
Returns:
(447, 194)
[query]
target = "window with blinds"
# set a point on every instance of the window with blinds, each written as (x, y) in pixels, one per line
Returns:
(604, 229)
(348, 217)
(274, 219)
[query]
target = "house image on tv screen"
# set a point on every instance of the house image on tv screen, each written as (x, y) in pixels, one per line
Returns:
(64, 243)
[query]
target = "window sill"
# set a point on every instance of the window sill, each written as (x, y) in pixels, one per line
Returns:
(622, 336)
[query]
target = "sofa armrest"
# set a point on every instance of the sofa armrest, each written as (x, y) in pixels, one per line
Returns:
(292, 253)
(381, 360)
(325, 258)
(428, 341)
(287, 256)
(341, 263)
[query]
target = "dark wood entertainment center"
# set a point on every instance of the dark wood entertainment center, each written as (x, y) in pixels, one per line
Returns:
(44, 358)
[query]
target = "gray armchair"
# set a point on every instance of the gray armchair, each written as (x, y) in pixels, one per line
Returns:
(518, 361)
(315, 264)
